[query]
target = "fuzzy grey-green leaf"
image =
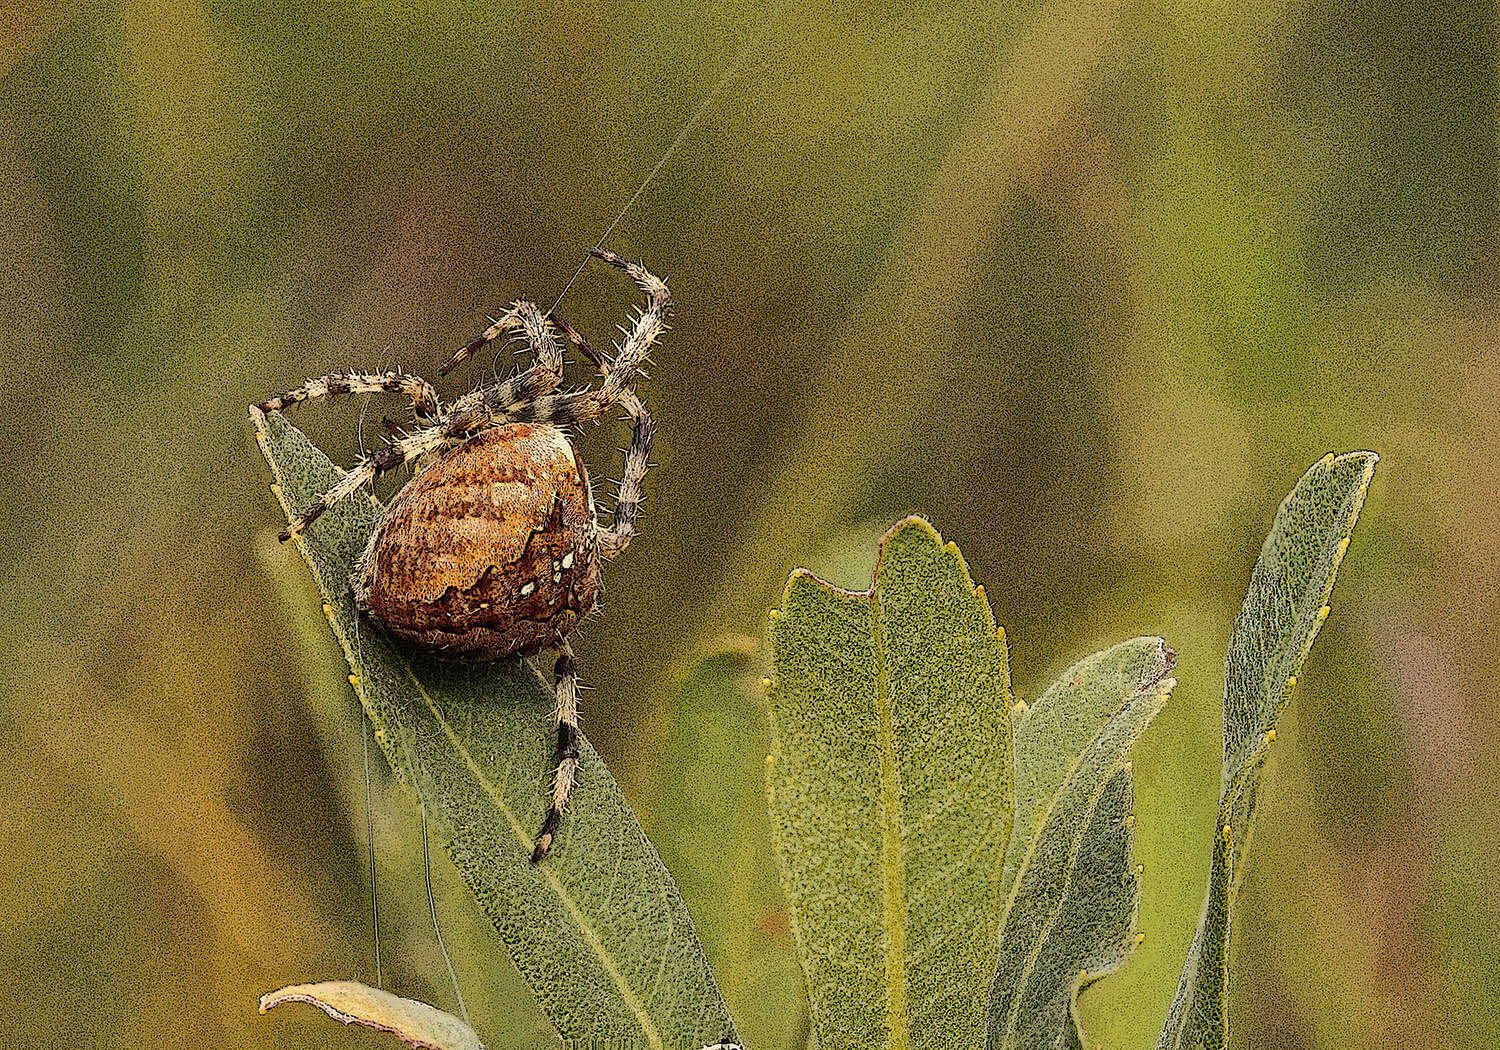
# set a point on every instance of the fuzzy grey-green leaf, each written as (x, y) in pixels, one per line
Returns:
(1073, 920)
(891, 795)
(1286, 604)
(1094, 712)
(1071, 886)
(598, 929)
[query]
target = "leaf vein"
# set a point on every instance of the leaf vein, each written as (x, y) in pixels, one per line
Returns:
(590, 935)
(894, 914)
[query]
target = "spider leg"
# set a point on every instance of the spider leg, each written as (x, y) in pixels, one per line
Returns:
(575, 337)
(633, 351)
(424, 399)
(527, 320)
(619, 373)
(507, 322)
(566, 673)
(614, 540)
(509, 399)
(406, 449)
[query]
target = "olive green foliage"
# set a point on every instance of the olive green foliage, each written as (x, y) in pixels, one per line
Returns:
(922, 917)
(958, 868)
(891, 795)
(1088, 284)
(598, 930)
(1286, 605)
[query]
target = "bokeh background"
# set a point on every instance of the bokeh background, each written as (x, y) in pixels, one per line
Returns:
(1089, 282)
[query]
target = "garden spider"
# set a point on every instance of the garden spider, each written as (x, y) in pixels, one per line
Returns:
(494, 549)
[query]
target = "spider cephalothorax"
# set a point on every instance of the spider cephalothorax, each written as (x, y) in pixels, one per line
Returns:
(493, 549)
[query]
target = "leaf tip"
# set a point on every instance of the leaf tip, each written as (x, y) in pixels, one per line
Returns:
(912, 522)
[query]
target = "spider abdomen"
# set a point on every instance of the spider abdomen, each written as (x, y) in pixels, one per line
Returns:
(488, 553)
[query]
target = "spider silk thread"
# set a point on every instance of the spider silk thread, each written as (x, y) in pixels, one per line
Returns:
(752, 46)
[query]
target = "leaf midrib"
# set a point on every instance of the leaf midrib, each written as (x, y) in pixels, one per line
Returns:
(1069, 778)
(627, 993)
(1034, 953)
(893, 867)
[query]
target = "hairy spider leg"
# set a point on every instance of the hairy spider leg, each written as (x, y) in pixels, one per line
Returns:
(506, 323)
(613, 540)
(575, 337)
(511, 399)
(526, 319)
(424, 399)
(457, 426)
(566, 673)
(616, 538)
(619, 374)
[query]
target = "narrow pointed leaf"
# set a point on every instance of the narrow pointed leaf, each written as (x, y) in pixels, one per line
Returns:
(711, 827)
(1285, 606)
(891, 795)
(598, 929)
(1086, 721)
(1072, 890)
(1073, 922)
(414, 1023)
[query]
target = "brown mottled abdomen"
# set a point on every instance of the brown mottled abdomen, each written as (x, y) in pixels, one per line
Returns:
(489, 552)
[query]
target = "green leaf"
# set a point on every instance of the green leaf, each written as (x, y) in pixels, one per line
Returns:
(494, 990)
(413, 1022)
(598, 929)
(711, 827)
(891, 795)
(1285, 606)
(1072, 889)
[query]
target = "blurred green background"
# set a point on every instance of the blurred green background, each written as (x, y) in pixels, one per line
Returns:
(1088, 283)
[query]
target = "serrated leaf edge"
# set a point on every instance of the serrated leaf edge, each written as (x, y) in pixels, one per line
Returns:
(894, 895)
